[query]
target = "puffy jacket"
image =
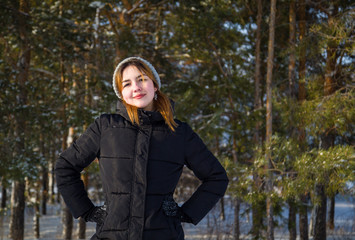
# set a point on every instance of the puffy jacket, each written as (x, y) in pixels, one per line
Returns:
(140, 166)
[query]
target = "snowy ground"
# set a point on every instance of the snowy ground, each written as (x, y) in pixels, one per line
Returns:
(211, 227)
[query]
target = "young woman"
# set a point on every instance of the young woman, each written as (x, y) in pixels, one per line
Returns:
(141, 151)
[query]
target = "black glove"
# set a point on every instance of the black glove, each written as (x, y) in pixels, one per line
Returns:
(96, 214)
(172, 209)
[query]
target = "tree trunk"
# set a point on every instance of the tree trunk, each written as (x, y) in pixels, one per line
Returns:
(51, 176)
(332, 56)
(269, 180)
(269, 213)
(222, 215)
(303, 218)
(292, 46)
(44, 179)
(44, 190)
(330, 69)
(236, 219)
(3, 196)
(67, 218)
(256, 214)
(320, 226)
(36, 226)
(18, 188)
(81, 228)
(302, 61)
(291, 79)
(257, 218)
(320, 229)
(17, 210)
(320, 232)
(292, 220)
(312, 221)
(257, 77)
(331, 212)
(2, 214)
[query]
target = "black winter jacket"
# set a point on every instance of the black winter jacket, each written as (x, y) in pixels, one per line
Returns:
(140, 166)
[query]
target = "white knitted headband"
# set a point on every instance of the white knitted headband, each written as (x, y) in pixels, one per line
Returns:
(156, 75)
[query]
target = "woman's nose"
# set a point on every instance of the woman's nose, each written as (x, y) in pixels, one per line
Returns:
(136, 86)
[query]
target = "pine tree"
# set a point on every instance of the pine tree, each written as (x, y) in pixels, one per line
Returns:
(18, 187)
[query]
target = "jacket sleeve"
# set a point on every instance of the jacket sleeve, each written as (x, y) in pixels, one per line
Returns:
(69, 165)
(208, 169)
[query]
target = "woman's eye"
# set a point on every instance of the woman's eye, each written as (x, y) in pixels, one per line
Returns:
(126, 85)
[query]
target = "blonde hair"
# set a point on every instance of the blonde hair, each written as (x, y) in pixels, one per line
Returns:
(162, 104)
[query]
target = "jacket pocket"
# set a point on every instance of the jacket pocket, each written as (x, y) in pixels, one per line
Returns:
(171, 211)
(117, 212)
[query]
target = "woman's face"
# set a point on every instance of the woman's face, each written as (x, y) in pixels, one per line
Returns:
(137, 88)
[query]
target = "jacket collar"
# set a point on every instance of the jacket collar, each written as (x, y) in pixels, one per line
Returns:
(145, 117)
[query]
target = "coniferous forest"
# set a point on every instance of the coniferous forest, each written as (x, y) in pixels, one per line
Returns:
(268, 85)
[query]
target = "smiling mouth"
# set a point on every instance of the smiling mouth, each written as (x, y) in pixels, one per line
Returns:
(139, 96)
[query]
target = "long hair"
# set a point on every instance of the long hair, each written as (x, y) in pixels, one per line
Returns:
(162, 104)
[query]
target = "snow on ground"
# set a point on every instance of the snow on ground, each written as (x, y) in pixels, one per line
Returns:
(211, 227)
(50, 225)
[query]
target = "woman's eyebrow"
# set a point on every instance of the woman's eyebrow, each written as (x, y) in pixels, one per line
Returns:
(139, 76)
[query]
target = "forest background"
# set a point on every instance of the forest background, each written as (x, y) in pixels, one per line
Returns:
(269, 86)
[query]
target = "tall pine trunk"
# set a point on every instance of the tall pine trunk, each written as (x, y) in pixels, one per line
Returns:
(236, 219)
(327, 138)
(18, 188)
(292, 46)
(67, 218)
(291, 79)
(269, 167)
(44, 190)
(320, 232)
(222, 214)
(302, 210)
(36, 217)
(292, 220)
(51, 177)
(44, 177)
(302, 53)
(17, 218)
(3, 205)
(303, 217)
(331, 62)
(256, 213)
(331, 212)
(3, 194)
(81, 228)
